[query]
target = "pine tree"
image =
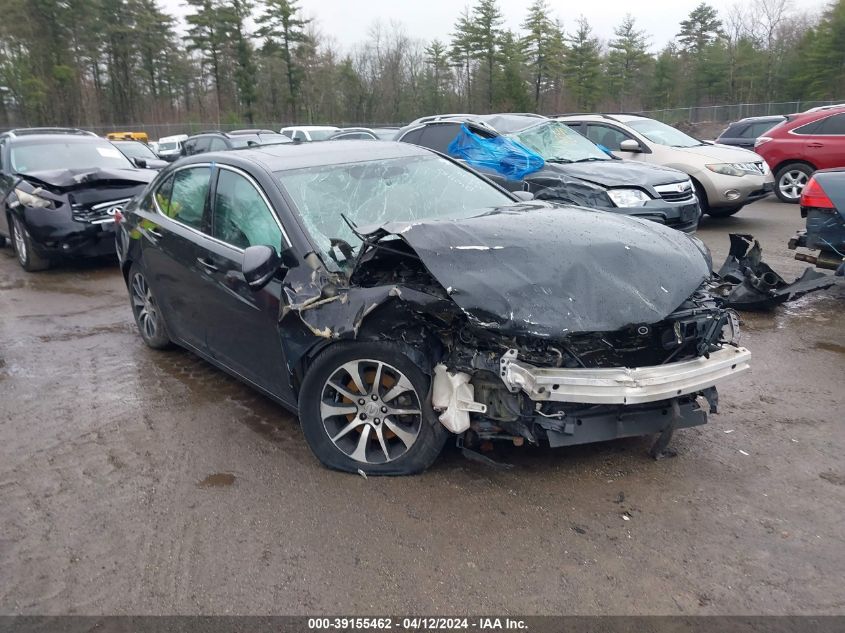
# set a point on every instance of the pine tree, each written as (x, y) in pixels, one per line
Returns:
(436, 60)
(539, 46)
(582, 66)
(462, 51)
(626, 60)
(701, 28)
(282, 27)
(486, 32)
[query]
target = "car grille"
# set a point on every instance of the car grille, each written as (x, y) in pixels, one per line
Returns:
(676, 192)
(99, 213)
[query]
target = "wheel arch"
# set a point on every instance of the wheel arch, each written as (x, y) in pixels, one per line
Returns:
(798, 161)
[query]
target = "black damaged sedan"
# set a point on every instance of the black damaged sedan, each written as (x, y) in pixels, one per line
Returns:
(59, 191)
(394, 298)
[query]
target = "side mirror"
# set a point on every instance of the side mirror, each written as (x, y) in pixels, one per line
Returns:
(525, 196)
(140, 162)
(259, 265)
(630, 145)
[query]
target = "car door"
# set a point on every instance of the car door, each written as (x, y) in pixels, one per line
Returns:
(826, 146)
(243, 333)
(173, 230)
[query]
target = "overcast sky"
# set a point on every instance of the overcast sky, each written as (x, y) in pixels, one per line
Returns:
(348, 21)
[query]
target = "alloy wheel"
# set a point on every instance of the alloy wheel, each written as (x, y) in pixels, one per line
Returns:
(371, 411)
(792, 183)
(144, 306)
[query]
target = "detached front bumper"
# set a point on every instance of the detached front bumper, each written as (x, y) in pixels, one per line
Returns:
(622, 385)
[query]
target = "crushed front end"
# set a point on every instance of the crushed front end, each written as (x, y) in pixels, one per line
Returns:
(588, 387)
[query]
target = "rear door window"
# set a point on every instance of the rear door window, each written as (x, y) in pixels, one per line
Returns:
(216, 144)
(183, 196)
(439, 136)
(202, 144)
(413, 136)
(241, 216)
(833, 125)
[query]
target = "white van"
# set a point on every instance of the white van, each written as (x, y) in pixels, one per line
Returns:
(170, 147)
(306, 133)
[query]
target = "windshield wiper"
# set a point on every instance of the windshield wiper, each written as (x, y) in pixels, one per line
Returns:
(587, 160)
(558, 160)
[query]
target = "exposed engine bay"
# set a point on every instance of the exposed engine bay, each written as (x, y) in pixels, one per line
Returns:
(550, 358)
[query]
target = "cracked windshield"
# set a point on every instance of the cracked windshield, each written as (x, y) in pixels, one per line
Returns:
(557, 143)
(373, 193)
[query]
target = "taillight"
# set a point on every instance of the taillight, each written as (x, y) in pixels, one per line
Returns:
(814, 196)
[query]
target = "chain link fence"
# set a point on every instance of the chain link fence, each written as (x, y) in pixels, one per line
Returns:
(716, 114)
(732, 112)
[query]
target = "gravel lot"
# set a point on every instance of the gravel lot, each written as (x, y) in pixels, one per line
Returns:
(142, 482)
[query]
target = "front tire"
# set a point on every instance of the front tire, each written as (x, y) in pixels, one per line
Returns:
(791, 180)
(29, 260)
(146, 311)
(365, 407)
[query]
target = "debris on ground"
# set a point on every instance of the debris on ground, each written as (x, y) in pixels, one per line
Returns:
(748, 283)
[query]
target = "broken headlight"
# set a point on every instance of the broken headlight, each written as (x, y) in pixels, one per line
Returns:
(33, 199)
(628, 197)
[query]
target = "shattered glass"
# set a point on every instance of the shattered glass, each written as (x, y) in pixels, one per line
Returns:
(375, 192)
(557, 142)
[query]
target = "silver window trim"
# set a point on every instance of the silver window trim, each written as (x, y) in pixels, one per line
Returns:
(240, 172)
(264, 197)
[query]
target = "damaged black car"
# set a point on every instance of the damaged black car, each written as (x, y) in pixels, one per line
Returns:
(59, 191)
(395, 298)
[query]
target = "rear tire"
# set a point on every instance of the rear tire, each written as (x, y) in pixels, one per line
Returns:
(791, 180)
(352, 422)
(724, 212)
(29, 260)
(145, 309)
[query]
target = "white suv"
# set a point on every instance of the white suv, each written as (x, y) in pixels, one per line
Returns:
(725, 178)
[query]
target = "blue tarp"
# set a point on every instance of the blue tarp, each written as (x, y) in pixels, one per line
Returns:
(499, 154)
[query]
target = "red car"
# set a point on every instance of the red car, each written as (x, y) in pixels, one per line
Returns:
(802, 144)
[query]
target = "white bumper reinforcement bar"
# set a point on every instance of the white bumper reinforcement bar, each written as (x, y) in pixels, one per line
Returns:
(622, 385)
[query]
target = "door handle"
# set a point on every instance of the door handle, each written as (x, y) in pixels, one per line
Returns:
(155, 233)
(815, 144)
(207, 265)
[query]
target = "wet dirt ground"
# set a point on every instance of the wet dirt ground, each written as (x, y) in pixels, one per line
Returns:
(143, 482)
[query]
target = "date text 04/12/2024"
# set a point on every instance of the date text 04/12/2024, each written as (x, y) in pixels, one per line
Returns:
(417, 624)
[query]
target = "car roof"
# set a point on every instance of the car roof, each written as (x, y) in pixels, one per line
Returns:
(287, 156)
(33, 139)
(505, 123)
(768, 117)
(309, 128)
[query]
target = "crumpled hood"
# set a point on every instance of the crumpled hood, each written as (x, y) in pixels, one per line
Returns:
(73, 178)
(722, 153)
(547, 271)
(617, 173)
